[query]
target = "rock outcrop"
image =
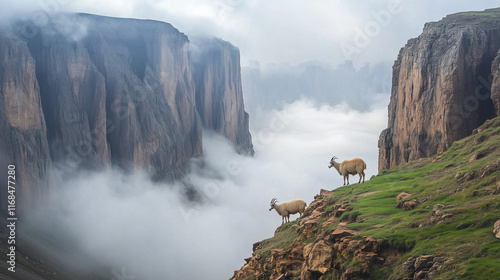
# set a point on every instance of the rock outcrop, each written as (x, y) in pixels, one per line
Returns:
(86, 91)
(423, 267)
(496, 229)
(445, 84)
(315, 254)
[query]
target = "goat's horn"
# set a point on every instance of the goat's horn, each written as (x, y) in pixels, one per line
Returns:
(273, 200)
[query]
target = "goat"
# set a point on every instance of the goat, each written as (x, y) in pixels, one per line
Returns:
(288, 208)
(352, 167)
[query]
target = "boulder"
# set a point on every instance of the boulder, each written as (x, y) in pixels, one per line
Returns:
(402, 196)
(326, 193)
(409, 205)
(318, 257)
(496, 229)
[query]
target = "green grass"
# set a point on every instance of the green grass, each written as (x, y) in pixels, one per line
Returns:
(484, 18)
(283, 239)
(466, 238)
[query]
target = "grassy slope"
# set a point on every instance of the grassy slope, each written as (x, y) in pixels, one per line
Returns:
(466, 237)
(487, 19)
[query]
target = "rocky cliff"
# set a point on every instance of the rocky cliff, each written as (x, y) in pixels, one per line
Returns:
(444, 85)
(219, 94)
(85, 91)
(23, 132)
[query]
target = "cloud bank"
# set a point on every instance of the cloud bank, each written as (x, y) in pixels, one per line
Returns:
(151, 231)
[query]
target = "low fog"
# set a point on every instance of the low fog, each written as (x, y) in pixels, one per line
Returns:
(151, 231)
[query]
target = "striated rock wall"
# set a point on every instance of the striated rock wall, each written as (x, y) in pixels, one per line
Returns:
(442, 87)
(219, 95)
(86, 91)
(120, 92)
(23, 139)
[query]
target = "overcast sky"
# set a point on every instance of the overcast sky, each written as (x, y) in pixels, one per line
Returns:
(280, 31)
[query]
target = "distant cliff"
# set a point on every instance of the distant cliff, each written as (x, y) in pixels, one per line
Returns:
(272, 85)
(87, 91)
(445, 84)
(219, 94)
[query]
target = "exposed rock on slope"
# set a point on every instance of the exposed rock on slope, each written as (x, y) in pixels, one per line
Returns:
(441, 86)
(315, 251)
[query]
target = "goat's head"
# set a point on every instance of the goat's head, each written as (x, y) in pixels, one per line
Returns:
(273, 201)
(332, 161)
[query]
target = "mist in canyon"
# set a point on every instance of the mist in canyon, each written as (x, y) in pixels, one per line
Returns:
(152, 231)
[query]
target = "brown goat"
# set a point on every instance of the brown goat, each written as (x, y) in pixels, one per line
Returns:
(352, 167)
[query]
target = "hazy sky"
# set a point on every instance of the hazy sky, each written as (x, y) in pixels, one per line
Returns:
(279, 31)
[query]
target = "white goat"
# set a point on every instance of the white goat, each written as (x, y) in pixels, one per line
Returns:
(353, 167)
(288, 208)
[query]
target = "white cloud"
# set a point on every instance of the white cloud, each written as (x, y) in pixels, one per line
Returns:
(148, 229)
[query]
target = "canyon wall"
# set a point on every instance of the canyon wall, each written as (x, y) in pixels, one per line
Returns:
(23, 141)
(444, 85)
(219, 94)
(86, 91)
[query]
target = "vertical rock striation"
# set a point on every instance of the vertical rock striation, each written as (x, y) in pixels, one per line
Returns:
(23, 132)
(87, 91)
(219, 94)
(441, 87)
(495, 83)
(117, 91)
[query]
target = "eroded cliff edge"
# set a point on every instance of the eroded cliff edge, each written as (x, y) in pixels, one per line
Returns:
(445, 84)
(86, 91)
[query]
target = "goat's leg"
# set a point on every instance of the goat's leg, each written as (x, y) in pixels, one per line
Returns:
(360, 176)
(348, 179)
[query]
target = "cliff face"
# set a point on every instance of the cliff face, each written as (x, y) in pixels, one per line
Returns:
(495, 83)
(442, 87)
(23, 139)
(219, 95)
(112, 92)
(117, 91)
